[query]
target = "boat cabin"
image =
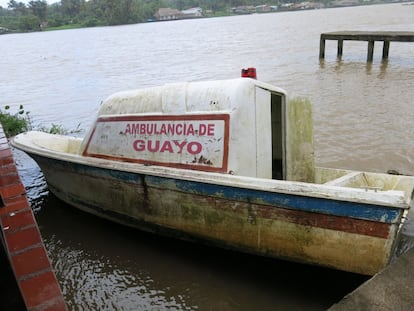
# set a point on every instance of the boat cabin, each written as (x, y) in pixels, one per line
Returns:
(240, 126)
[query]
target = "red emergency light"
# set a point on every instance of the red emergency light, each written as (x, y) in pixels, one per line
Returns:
(249, 73)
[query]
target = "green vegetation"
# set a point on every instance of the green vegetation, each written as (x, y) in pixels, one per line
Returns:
(19, 122)
(63, 27)
(59, 129)
(14, 123)
(38, 15)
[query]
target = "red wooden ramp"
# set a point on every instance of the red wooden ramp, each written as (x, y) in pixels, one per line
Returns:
(22, 242)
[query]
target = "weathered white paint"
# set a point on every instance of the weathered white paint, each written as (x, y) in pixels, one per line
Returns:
(245, 101)
(189, 141)
(239, 148)
(263, 132)
(398, 196)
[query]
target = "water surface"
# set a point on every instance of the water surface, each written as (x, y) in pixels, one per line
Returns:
(362, 114)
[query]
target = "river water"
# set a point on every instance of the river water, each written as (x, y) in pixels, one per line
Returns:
(362, 113)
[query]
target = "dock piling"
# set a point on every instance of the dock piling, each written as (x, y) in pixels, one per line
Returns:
(340, 47)
(369, 36)
(370, 55)
(322, 48)
(385, 49)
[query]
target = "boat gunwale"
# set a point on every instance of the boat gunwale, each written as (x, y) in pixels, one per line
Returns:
(388, 198)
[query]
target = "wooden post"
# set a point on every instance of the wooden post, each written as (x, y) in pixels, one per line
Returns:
(322, 48)
(369, 36)
(385, 49)
(370, 56)
(340, 47)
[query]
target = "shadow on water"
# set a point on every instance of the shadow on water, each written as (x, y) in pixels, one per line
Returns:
(104, 266)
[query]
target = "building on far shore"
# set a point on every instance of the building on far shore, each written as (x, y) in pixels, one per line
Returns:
(264, 8)
(3, 30)
(192, 13)
(168, 14)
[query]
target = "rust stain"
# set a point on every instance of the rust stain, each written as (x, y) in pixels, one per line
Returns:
(146, 201)
(351, 245)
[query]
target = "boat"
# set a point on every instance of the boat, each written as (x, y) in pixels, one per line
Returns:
(226, 163)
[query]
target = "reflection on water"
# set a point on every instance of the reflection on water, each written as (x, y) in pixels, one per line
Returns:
(32, 178)
(368, 67)
(103, 266)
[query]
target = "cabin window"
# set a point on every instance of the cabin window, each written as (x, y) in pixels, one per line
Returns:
(277, 137)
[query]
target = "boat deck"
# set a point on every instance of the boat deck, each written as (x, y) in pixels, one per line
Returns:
(27, 276)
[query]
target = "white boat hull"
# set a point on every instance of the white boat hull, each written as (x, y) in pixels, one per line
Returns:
(339, 233)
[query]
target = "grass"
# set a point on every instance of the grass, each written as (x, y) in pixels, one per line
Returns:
(63, 27)
(14, 123)
(59, 129)
(19, 122)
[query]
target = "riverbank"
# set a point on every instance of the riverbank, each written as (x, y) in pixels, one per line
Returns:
(10, 22)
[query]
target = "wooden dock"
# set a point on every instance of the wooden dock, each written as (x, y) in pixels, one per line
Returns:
(370, 36)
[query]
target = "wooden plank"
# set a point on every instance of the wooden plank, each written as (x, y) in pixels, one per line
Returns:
(401, 36)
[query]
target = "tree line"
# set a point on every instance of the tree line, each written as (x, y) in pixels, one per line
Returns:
(36, 15)
(77, 13)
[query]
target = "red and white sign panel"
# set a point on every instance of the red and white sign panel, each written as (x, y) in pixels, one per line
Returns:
(188, 141)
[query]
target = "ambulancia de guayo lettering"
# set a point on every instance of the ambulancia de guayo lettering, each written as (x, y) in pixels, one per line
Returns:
(152, 128)
(196, 140)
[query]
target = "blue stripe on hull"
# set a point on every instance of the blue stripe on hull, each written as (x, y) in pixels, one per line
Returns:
(289, 201)
(297, 202)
